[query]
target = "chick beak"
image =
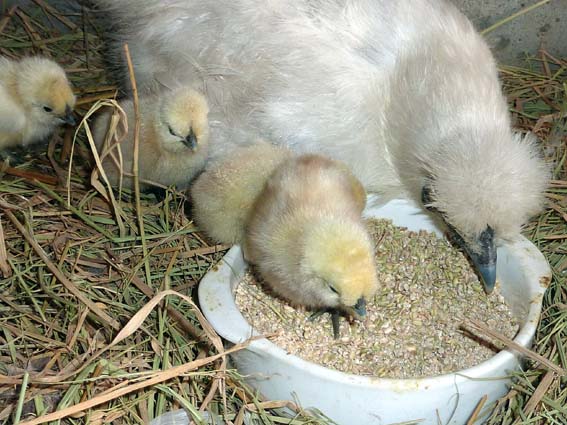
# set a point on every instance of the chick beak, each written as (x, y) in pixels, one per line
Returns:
(69, 118)
(360, 307)
(484, 260)
(191, 140)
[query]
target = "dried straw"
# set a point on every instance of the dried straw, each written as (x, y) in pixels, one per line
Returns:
(80, 260)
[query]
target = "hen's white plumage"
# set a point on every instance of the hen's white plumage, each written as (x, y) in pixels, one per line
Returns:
(406, 92)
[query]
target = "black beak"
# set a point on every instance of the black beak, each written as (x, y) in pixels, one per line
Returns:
(191, 140)
(360, 307)
(69, 118)
(483, 259)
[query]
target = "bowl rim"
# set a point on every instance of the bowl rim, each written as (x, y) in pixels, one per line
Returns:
(217, 284)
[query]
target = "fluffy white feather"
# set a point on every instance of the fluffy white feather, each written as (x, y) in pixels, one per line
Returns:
(405, 92)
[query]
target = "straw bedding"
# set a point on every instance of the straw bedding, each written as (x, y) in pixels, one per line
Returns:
(80, 265)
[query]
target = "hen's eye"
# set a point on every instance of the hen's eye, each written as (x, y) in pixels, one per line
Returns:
(47, 109)
(171, 131)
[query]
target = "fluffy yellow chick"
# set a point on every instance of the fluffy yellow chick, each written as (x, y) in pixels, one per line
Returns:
(225, 192)
(35, 98)
(173, 142)
(306, 236)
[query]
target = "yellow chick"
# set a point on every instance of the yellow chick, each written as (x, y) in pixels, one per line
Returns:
(35, 98)
(224, 193)
(173, 141)
(306, 236)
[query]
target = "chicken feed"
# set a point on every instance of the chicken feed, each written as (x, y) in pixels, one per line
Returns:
(427, 289)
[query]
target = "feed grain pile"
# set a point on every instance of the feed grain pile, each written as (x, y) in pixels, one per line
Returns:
(427, 289)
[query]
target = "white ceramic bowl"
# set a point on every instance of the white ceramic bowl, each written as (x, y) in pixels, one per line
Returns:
(358, 400)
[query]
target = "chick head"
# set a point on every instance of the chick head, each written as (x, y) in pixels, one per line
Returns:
(486, 195)
(338, 257)
(46, 92)
(183, 122)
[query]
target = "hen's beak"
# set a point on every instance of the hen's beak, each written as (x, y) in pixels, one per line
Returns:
(483, 258)
(191, 140)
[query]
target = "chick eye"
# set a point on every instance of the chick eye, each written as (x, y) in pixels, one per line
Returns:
(332, 288)
(47, 109)
(171, 131)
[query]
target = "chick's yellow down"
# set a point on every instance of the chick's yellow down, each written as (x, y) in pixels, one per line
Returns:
(224, 193)
(306, 236)
(35, 98)
(173, 140)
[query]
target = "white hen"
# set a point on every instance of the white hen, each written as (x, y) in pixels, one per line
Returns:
(406, 92)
